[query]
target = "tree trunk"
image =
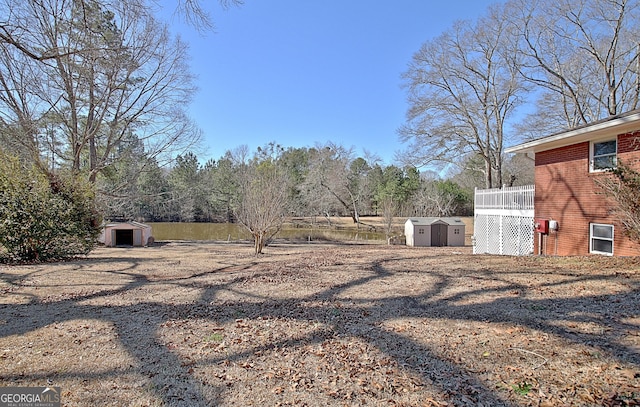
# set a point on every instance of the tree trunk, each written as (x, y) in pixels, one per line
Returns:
(488, 173)
(258, 242)
(326, 215)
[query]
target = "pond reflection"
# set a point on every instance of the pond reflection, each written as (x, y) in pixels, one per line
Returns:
(234, 232)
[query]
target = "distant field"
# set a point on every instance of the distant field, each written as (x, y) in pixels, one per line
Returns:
(379, 223)
(371, 228)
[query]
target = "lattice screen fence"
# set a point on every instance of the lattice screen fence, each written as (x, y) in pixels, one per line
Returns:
(497, 234)
(503, 221)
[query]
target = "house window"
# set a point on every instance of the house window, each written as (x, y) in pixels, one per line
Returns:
(456, 231)
(603, 155)
(601, 239)
(421, 231)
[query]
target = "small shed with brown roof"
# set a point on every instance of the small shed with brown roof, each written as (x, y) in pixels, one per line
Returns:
(432, 231)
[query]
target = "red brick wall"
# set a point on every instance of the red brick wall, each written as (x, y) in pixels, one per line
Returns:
(565, 192)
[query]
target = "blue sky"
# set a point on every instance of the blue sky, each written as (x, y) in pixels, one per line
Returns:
(301, 72)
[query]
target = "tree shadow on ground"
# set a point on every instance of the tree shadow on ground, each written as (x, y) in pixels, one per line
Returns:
(225, 298)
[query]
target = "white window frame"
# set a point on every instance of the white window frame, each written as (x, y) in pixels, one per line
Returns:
(592, 238)
(592, 156)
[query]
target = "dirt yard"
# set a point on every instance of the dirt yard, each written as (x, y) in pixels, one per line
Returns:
(194, 324)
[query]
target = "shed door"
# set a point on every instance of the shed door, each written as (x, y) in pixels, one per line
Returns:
(124, 237)
(439, 235)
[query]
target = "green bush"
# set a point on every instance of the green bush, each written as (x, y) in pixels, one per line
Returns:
(44, 217)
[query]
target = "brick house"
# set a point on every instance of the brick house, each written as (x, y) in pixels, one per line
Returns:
(572, 217)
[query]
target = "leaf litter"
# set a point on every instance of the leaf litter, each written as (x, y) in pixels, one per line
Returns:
(190, 324)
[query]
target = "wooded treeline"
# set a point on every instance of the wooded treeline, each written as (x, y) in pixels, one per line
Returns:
(97, 91)
(324, 180)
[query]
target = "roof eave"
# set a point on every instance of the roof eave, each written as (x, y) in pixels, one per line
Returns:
(606, 128)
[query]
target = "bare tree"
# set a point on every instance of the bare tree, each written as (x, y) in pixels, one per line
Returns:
(520, 168)
(90, 73)
(623, 187)
(389, 208)
(435, 201)
(262, 201)
(197, 16)
(441, 198)
(343, 179)
(463, 88)
(394, 187)
(583, 57)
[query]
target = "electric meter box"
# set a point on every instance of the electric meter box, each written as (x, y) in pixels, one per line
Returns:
(542, 226)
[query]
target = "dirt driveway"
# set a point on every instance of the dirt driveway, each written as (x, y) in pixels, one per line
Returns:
(193, 324)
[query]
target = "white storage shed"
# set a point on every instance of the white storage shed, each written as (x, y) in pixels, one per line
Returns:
(433, 231)
(126, 234)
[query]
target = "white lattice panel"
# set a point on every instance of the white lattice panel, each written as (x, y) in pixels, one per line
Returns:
(494, 237)
(503, 221)
(497, 234)
(480, 242)
(517, 235)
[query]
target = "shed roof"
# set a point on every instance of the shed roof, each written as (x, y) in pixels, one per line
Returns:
(609, 127)
(132, 224)
(425, 221)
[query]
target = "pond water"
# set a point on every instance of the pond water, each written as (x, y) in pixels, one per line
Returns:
(233, 232)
